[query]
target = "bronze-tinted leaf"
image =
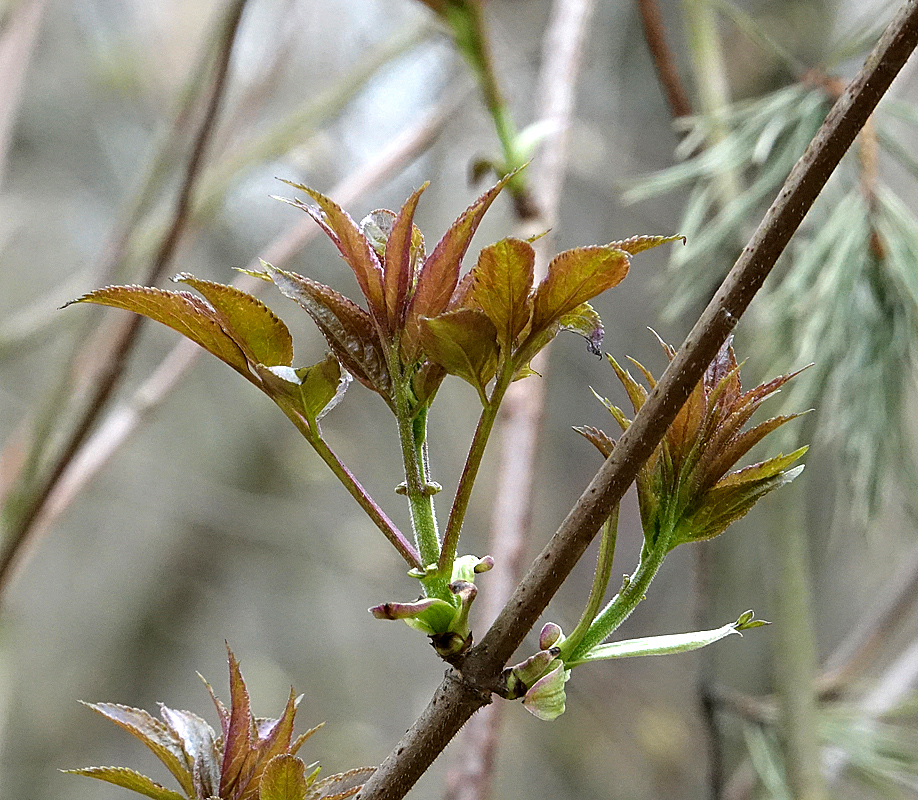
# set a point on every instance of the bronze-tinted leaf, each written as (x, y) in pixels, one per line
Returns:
(400, 256)
(154, 734)
(250, 323)
(128, 779)
(284, 778)
(181, 311)
(439, 275)
(575, 277)
(352, 244)
(600, 440)
(238, 739)
(584, 321)
(637, 244)
(464, 343)
(347, 328)
(502, 283)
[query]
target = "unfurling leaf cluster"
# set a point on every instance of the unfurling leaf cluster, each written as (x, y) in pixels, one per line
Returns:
(250, 759)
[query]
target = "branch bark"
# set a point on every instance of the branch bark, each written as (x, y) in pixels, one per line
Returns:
(464, 692)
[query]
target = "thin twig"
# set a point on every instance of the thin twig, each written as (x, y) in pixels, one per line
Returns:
(112, 370)
(523, 406)
(126, 419)
(663, 61)
(464, 692)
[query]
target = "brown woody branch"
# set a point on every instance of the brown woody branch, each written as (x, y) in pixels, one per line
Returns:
(464, 692)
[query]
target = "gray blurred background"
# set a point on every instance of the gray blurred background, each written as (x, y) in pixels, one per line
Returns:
(215, 522)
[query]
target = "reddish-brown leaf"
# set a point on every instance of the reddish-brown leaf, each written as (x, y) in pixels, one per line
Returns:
(353, 246)
(129, 779)
(347, 328)
(399, 261)
(439, 275)
(238, 741)
(250, 323)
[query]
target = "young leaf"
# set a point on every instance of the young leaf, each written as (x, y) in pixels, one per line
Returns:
(181, 311)
(502, 283)
(128, 779)
(546, 699)
(154, 734)
(284, 778)
(342, 785)
(197, 739)
(347, 328)
(575, 277)
(464, 343)
(584, 321)
(239, 733)
(353, 245)
(400, 255)
(659, 645)
(638, 244)
(251, 324)
(311, 391)
(439, 274)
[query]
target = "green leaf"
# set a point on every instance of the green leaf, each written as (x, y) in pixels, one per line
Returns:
(249, 322)
(658, 645)
(238, 740)
(311, 391)
(585, 322)
(439, 275)
(284, 778)
(464, 343)
(352, 244)
(342, 785)
(546, 699)
(128, 779)
(502, 283)
(347, 328)
(575, 277)
(403, 246)
(198, 741)
(181, 311)
(154, 734)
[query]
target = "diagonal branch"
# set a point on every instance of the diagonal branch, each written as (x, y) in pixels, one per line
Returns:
(463, 693)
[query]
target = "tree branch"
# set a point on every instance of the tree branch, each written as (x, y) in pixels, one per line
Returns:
(463, 693)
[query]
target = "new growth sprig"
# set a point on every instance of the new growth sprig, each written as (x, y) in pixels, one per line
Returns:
(686, 493)
(421, 320)
(251, 758)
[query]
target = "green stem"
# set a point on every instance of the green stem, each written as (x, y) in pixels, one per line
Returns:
(620, 607)
(466, 19)
(470, 470)
(379, 517)
(412, 435)
(600, 581)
